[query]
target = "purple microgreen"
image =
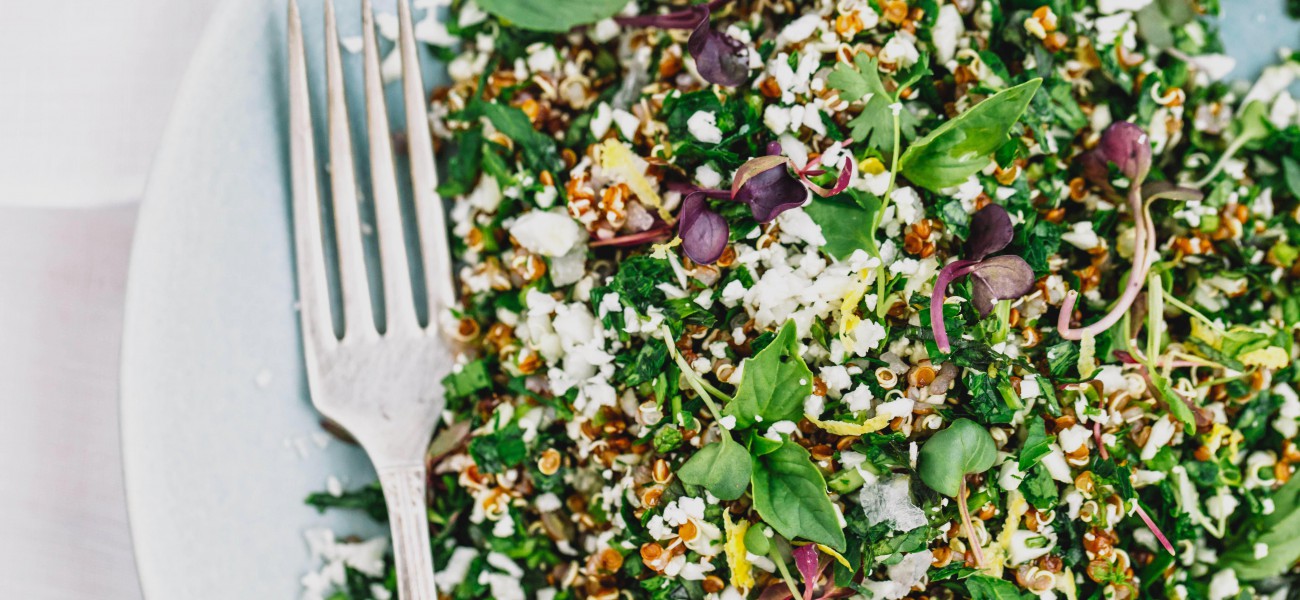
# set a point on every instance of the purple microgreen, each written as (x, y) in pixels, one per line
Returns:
(990, 231)
(753, 167)
(1126, 145)
(774, 148)
(805, 558)
(1129, 147)
(719, 58)
(999, 278)
(841, 183)
(704, 233)
(766, 185)
(1003, 277)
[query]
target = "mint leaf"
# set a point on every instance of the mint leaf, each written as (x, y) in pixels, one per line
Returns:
(552, 15)
(774, 383)
(964, 145)
(722, 467)
(790, 494)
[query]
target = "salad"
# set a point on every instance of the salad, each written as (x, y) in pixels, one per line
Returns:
(860, 299)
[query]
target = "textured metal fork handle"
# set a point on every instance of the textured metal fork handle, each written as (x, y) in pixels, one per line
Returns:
(407, 516)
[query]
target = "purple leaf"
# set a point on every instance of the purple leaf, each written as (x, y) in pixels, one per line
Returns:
(1129, 147)
(719, 58)
(990, 231)
(947, 275)
(805, 558)
(841, 183)
(769, 191)
(1003, 277)
(704, 233)
(1095, 169)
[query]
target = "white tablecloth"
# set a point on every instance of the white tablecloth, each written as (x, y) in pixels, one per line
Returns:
(85, 88)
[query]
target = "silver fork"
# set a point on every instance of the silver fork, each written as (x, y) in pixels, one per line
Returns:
(382, 387)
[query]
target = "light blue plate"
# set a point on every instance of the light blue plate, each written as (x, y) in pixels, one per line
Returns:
(220, 443)
(219, 438)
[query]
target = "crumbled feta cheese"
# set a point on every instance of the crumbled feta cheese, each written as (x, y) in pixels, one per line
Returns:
(703, 126)
(545, 232)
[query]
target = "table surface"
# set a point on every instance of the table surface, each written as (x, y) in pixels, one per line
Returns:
(87, 89)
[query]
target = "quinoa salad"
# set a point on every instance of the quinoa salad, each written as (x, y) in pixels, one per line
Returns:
(868, 299)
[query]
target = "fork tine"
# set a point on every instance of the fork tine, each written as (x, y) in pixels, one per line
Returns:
(398, 301)
(424, 177)
(309, 252)
(357, 314)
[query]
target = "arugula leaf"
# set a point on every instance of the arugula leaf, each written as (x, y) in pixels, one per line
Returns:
(984, 587)
(368, 499)
(790, 494)
(1037, 445)
(552, 15)
(773, 384)
(1277, 530)
(845, 224)
(963, 146)
(722, 467)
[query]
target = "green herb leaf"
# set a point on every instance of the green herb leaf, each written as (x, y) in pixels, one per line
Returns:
(844, 223)
(984, 587)
(553, 15)
(722, 467)
(469, 379)
(875, 124)
(537, 147)
(500, 450)
(1037, 445)
(368, 499)
(1040, 489)
(1277, 530)
(962, 146)
(790, 494)
(953, 453)
(774, 383)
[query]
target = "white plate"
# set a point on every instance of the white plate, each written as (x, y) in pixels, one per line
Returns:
(220, 443)
(219, 438)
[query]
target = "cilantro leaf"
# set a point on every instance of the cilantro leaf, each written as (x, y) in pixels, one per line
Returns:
(1037, 445)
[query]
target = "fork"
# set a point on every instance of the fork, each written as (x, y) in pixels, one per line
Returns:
(383, 387)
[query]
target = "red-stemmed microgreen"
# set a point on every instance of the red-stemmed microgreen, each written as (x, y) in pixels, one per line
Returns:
(719, 58)
(993, 278)
(765, 183)
(1137, 506)
(1128, 147)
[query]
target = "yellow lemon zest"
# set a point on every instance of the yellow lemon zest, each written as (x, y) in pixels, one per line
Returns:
(1205, 333)
(875, 423)
(1271, 357)
(616, 157)
(871, 166)
(836, 555)
(848, 308)
(660, 251)
(742, 572)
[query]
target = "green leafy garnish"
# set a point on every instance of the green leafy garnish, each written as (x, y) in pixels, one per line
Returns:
(964, 145)
(790, 495)
(773, 384)
(553, 15)
(722, 467)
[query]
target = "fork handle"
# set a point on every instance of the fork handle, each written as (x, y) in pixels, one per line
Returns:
(404, 493)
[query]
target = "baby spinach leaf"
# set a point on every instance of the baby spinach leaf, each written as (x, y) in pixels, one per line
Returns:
(553, 15)
(722, 467)
(790, 494)
(844, 223)
(953, 453)
(774, 383)
(962, 146)
(1277, 530)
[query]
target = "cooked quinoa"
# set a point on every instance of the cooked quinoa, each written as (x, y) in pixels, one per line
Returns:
(867, 298)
